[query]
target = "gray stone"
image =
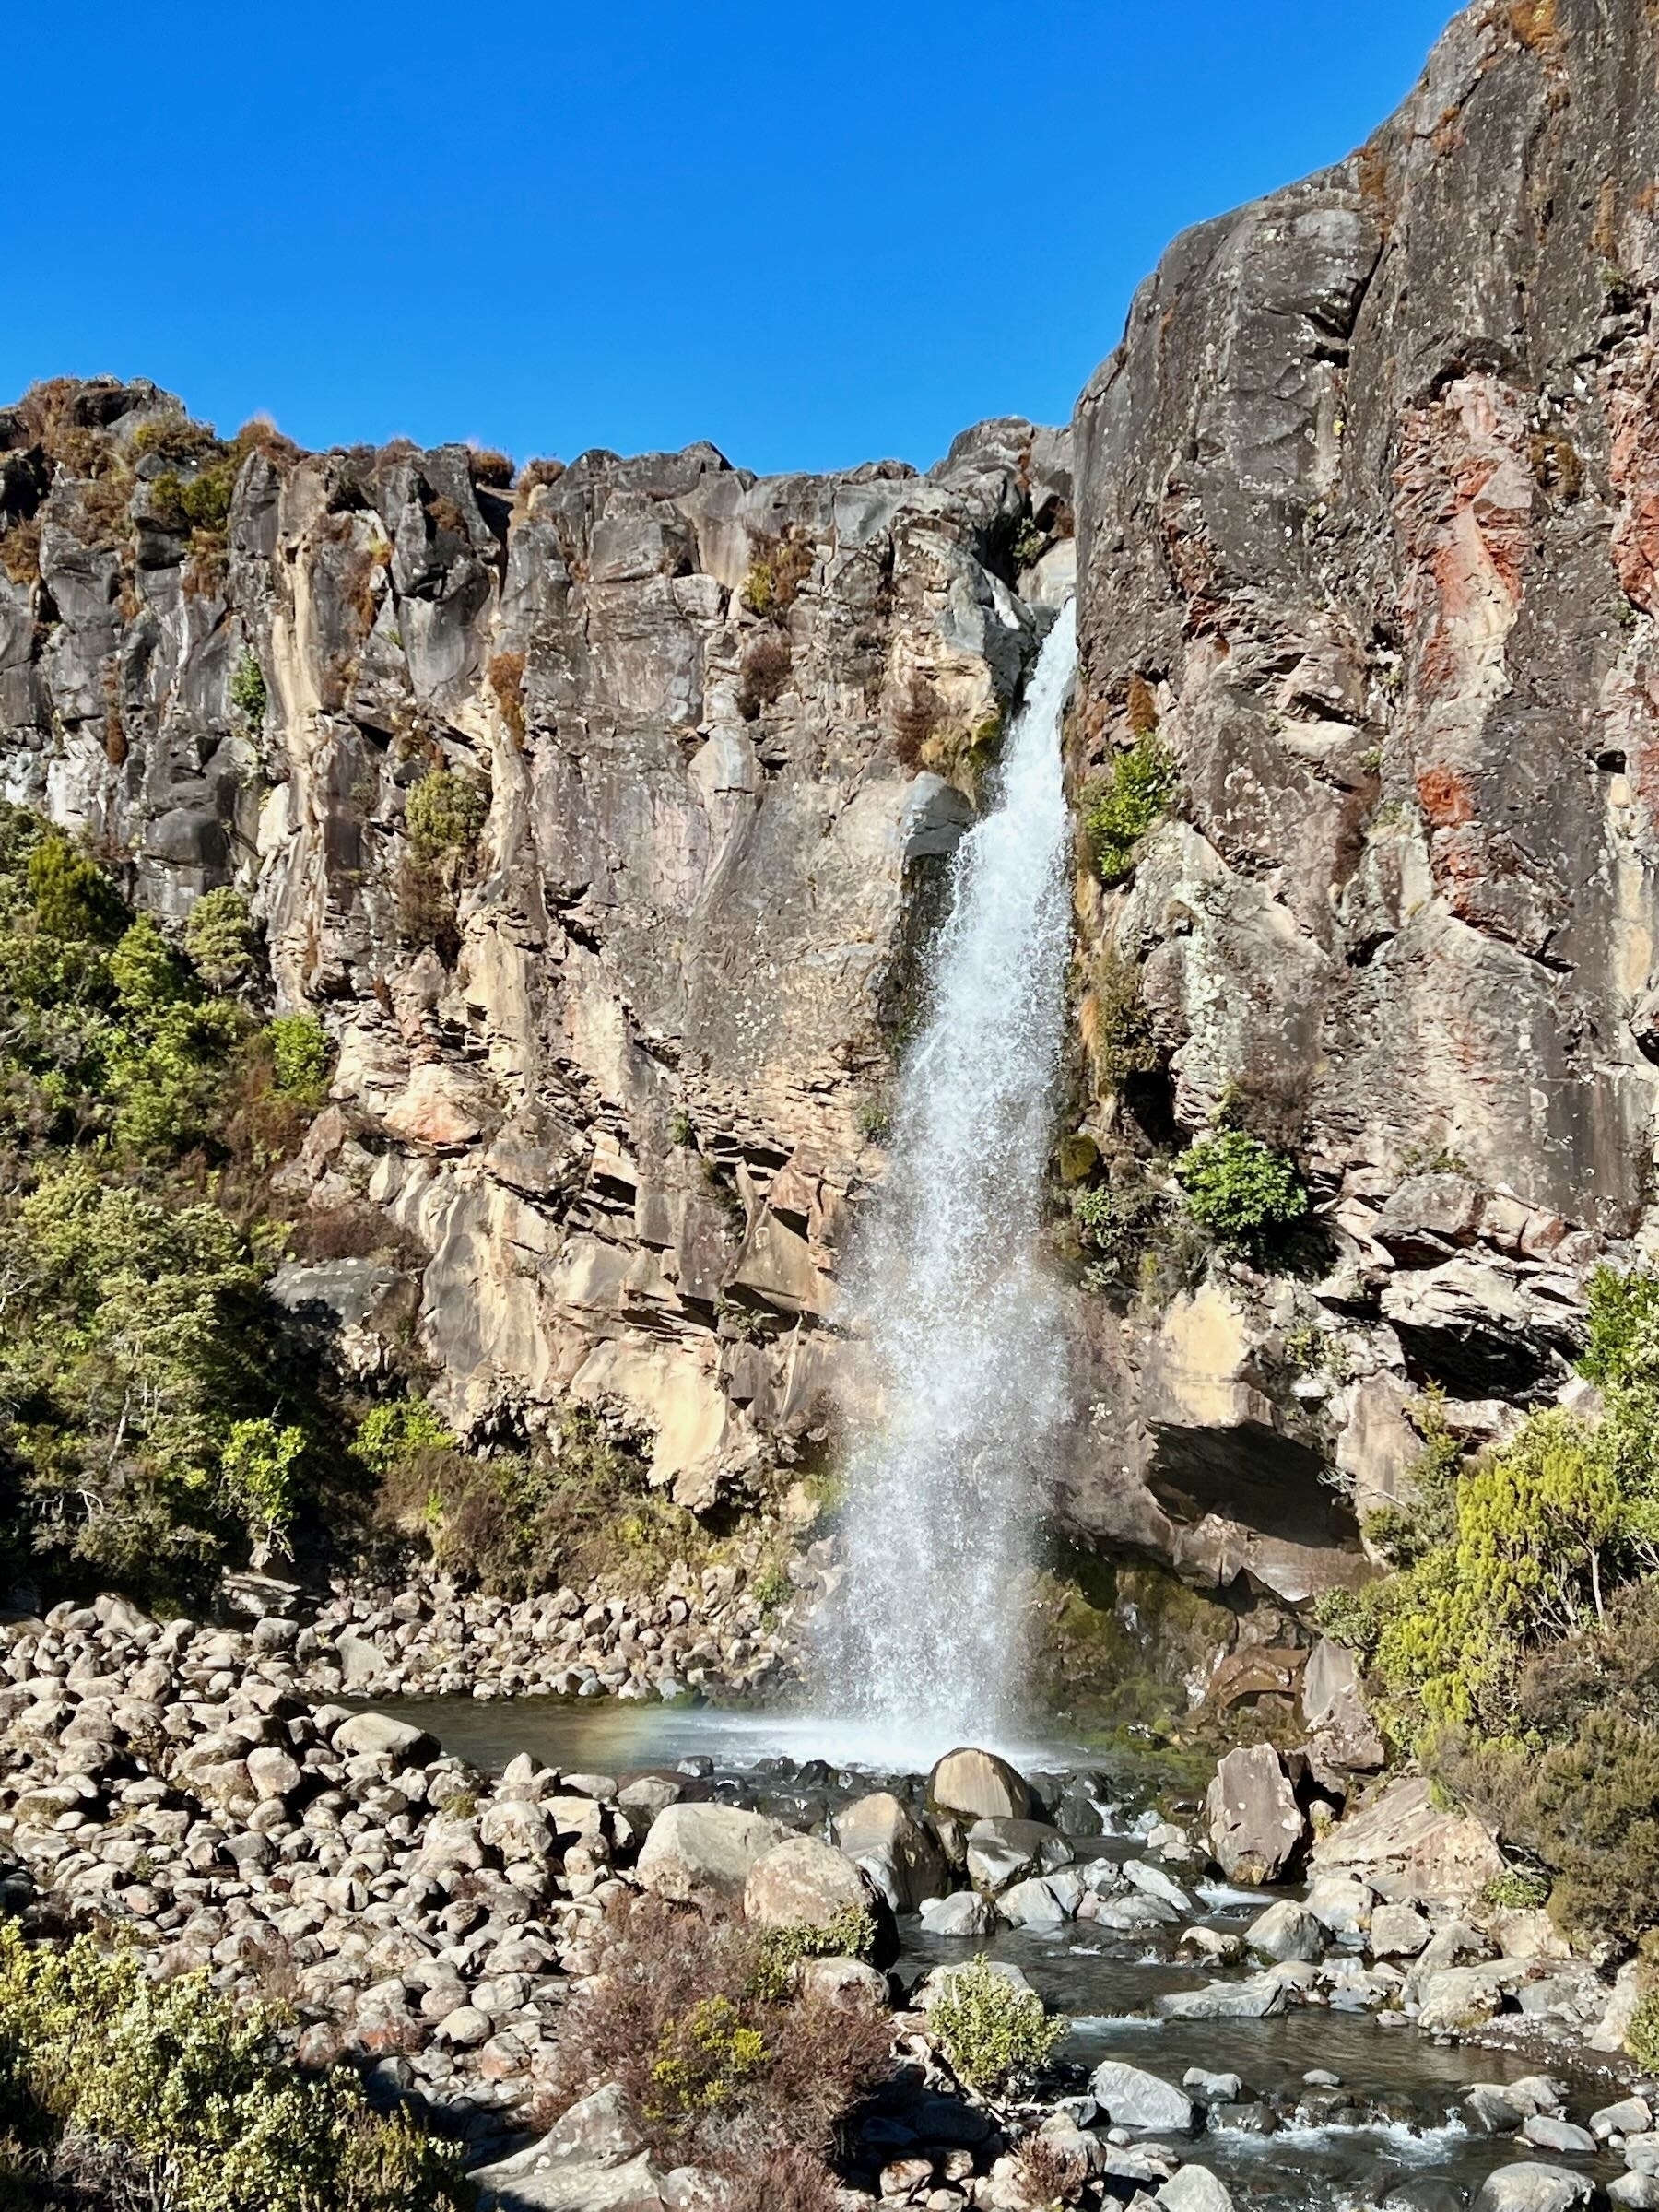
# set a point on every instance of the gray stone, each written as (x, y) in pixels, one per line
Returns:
(880, 1834)
(1258, 1998)
(705, 1851)
(1286, 1931)
(1130, 2097)
(965, 1915)
(977, 1785)
(1529, 2187)
(802, 1883)
(377, 1735)
(1195, 2189)
(1256, 1827)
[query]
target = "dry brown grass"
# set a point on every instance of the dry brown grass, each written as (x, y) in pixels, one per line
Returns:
(1142, 706)
(1534, 23)
(1046, 2175)
(764, 673)
(658, 1963)
(506, 672)
(486, 466)
(21, 550)
(916, 717)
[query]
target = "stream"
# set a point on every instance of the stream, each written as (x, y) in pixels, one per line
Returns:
(1396, 2121)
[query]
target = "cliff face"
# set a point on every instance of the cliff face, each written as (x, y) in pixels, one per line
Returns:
(612, 1034)
(1368, 498)
(1367, 511)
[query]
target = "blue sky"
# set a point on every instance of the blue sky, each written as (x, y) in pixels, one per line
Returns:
(816, 234)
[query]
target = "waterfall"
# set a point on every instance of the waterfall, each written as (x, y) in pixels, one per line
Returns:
(958, 1323)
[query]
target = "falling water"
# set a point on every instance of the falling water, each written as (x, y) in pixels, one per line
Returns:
(957, 1321)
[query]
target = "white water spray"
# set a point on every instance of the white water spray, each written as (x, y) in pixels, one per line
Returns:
(960, 1327)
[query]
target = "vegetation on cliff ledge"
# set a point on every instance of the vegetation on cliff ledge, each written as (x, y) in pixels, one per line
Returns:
(1516, 1648)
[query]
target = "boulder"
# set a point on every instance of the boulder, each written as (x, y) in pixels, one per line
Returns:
(1341, 1905)
(1458, 1998)
(1035, 1904)
(1396, 1931)
(1195, 2189)
(1529, 2187)
(1286, 1930)
(966, 1915)
(970, 1784)
(1261, 1998)
(1334, 1712)
(1130, 2097)
(847, 1984)
(881, 1834)
(800, 1883)
(1639, 2190)
(1629, 2116)
(703, 1852)
(378, 1735)
(1000, 1851)
(1406, 1846)
(1256, 1827)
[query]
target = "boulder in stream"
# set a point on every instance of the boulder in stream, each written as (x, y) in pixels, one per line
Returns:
(970, 1784)
(1130, 2097)
(704, 1851)
(1256, 1830)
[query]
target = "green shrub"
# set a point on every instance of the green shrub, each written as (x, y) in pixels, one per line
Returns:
(1623, 1327)
(218, 936)
(392, 1434)
(851, 1934)
(1127, 803)
(1239, 1189)
(257, 1481)
(192, 2101)
(707, 2057)
(1641, 2037)
(996, 2037)
(1517, 1890)
(875, 1119)
(71, 896)
(248, 693)
(444, 815)
(299, 1056)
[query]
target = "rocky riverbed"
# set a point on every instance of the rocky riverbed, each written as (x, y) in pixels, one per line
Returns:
(426, 1920)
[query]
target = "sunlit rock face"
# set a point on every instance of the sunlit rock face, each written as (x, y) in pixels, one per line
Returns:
(610, 1073)
(1367, 502)
(1365, 519)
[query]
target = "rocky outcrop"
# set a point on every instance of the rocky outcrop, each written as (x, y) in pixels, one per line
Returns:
(612, 1035)
(1366, 506)
(1366, 531)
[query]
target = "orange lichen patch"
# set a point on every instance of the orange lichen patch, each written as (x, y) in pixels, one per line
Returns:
(1464, 508)
(1142, 706)
(1448, 132)
(1445, 798)
(1534, 24)
(1634, 471)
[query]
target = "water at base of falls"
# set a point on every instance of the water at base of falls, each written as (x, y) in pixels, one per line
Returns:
(958, 1329)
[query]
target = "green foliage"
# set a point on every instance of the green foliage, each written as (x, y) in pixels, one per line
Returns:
(201, 502)
(71, 896)
(299, 1057)
(682, 1129)
(996, 2037)
(1516, 1889)
(1641, 2037)
(139, 1341)
(851, 1934)
(1239, 1189)
(391, 1434)
(218, 936)
(257, 1479)
(706, 2058)
(248, 693)
(1126, 804)
(1623, 1345)
(875, 1119)
(1118, 1024)
(192, 2101)
(444, 815)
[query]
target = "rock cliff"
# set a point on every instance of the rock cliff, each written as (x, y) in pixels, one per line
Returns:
(614, 1019)
(1367, 525)
(1366, 503)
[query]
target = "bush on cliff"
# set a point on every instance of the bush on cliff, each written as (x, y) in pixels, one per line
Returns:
(1123, 804)
(1240, 1190)
(119, 2090)
(1516, 1647)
